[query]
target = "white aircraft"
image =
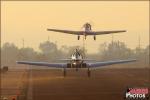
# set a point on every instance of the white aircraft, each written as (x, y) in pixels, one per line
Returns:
(76, 61)
(87, 31)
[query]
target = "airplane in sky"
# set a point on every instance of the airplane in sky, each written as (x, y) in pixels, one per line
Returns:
(77, 62)
(87, 31)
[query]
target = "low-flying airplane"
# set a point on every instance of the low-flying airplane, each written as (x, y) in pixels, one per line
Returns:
(77, 61)
(87, 31)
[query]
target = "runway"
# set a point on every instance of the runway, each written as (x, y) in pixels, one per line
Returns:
(49, 84)
(104, 84)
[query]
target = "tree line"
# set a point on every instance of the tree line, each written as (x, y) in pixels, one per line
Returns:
(49, 51)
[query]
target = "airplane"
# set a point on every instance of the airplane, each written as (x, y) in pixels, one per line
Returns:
(87, 31)
(77, 62)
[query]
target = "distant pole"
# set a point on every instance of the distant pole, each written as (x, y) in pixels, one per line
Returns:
(23, 42)
(112, 38)
(139, 46)
(84, 55)
(112, 42)
(139, 42)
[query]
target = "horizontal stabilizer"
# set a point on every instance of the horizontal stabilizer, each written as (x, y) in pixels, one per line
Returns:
(80, 59)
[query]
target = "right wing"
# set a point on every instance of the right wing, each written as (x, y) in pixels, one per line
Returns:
(55, 65)
(105, 63)
(105, 32)
(67, 31)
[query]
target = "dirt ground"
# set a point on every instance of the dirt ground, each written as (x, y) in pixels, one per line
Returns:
(104, 84)
(49, 84)
(13, 83)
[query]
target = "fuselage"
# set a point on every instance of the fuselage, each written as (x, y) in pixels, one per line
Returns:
(87, 28)
(76, 60)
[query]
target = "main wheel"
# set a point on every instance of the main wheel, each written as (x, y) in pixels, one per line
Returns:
(89, 72)
(64, 72)
(85, 37)
(94, 37)
(78, 37)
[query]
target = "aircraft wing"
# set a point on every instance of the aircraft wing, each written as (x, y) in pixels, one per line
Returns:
(67, 31)
(54, 65)
(105, 32)
(105, 63)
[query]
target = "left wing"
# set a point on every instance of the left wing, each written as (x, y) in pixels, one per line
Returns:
(100, 64)
(54, 65)
(104, 32)
(67, 31)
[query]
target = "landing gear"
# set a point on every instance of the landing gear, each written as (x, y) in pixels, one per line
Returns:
(89, 72)
(64, 72)
(94, 37)
(78, 37)
(85, 37)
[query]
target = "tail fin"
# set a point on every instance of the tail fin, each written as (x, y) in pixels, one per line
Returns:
(81, 60)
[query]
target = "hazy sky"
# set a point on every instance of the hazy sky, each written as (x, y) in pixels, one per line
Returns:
(30, 19)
